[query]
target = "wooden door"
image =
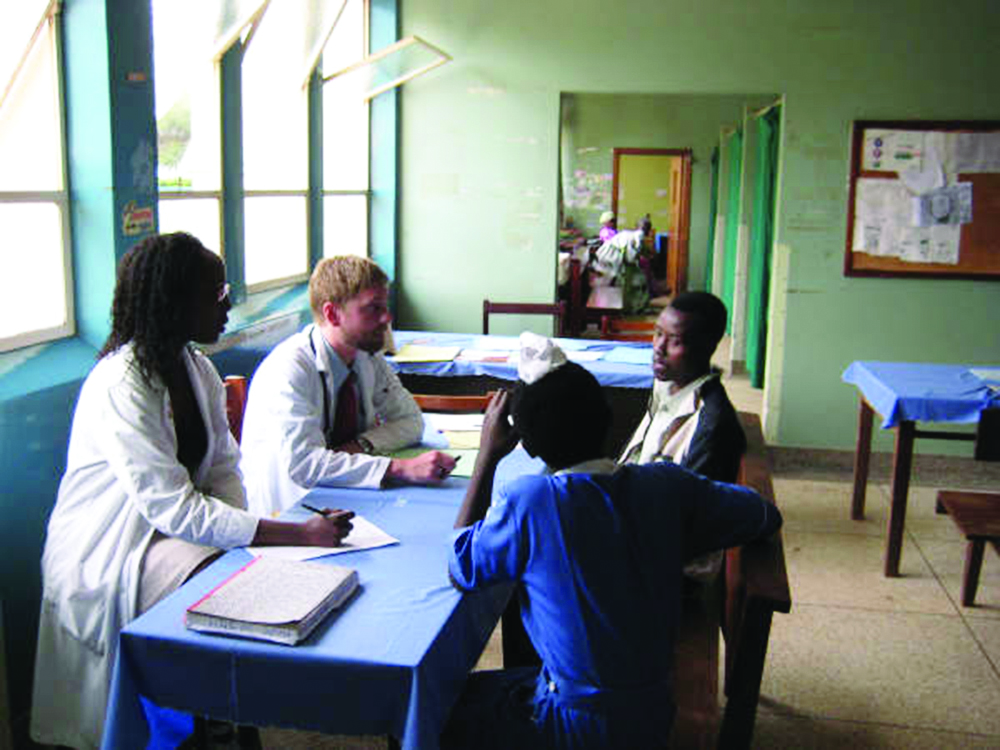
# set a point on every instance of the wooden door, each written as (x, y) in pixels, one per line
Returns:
(676, 179)
(680, 217)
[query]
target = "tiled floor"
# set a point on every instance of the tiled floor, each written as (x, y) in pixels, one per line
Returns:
(862, 660)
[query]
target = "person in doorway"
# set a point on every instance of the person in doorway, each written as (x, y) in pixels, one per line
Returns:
(609, 226)
(597, 550)
(324, 403)
(151, 492)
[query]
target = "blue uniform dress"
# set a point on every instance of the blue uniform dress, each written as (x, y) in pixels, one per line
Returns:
(599, 555)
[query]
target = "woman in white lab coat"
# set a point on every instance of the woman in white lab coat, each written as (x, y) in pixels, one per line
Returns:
(151, 492)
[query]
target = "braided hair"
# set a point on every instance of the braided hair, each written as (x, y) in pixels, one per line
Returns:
(152, 300)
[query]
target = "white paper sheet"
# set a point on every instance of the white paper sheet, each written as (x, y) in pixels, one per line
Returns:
(455, 422)
(973, 152)
(485, 355)
(364, 535)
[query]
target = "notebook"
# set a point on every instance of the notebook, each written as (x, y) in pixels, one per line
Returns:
(273, 599)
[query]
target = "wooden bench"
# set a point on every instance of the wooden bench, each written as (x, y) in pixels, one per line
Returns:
(754, 587)
(977, 515)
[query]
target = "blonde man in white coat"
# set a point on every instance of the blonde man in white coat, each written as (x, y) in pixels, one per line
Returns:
(151, 491)
(294, 432)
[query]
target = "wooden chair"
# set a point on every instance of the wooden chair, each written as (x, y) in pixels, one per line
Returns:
(977, 516)
(613, 327)
(236, 403)
(555, 309)
(453, 404)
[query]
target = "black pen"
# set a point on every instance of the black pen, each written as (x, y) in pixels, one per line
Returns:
(326, 513)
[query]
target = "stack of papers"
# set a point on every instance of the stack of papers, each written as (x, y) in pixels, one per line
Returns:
(419, 353)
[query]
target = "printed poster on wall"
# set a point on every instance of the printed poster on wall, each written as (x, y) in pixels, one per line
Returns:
(892, 150)
(884, 226)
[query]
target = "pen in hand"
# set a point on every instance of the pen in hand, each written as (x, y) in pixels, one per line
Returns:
(343, 517)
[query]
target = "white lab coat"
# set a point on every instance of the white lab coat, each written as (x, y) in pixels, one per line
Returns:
(284, 446)
(123, 481)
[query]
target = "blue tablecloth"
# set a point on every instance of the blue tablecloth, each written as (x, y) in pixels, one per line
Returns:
(920, 392)
(391, 662)
(624, 364)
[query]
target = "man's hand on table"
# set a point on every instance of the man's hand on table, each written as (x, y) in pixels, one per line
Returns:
(431, 467)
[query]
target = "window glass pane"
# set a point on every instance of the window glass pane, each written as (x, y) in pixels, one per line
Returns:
(276, 244)
(33, 281)
(346, 44)
(197, 216)
(19, 22)
(345, 225)
(345, 112)
(275, 128)
(30, 134)
(186, 82)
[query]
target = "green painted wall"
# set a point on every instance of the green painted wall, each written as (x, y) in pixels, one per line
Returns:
(480, 156)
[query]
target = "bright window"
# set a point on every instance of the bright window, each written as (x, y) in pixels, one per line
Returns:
(35, 284)
(345, 225)
(189, 38)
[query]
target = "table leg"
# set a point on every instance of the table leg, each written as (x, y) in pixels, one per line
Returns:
(862, 454)
(902, 462)
(970, 576)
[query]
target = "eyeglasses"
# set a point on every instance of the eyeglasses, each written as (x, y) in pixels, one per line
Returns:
(223, 292)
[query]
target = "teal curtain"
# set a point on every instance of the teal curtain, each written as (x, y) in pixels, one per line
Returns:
(713, 207)
(761, 239)
(735, 167)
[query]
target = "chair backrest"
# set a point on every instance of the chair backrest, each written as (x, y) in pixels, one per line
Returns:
(615, 327)
(454, 404)
(236, 403)
(555, 309)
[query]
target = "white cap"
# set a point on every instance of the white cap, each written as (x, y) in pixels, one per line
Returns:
(606, 217)
(539, 356)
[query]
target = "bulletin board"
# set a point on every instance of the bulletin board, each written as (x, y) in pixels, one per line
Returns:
(924, 199)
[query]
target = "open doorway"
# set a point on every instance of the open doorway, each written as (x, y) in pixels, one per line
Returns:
(656, 182)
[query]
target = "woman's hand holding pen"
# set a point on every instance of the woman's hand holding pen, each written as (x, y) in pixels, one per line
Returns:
(329, 527)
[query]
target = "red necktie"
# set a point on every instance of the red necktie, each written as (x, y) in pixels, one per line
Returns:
(345, 421)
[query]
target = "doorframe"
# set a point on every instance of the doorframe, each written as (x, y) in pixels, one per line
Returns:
(677, 247)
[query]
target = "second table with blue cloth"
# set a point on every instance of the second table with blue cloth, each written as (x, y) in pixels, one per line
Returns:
(905, 394)
(922, 392)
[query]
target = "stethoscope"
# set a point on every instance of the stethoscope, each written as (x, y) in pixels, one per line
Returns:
(327, 426)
